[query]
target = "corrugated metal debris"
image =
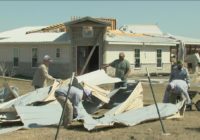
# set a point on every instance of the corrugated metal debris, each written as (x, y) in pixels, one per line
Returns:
(39, 108)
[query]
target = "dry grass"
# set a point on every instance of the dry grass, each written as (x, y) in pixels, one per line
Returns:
(184, 129)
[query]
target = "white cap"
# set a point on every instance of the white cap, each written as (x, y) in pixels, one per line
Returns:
(172, 85)
(47, 58)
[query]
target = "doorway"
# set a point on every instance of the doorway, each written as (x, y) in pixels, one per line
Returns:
(82, 55)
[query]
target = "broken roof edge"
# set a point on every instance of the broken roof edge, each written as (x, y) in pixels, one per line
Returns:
(50, 27)
(139, 28)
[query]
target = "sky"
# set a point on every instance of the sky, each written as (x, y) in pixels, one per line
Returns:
(174, 17)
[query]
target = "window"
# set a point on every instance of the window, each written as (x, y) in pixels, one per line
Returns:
(159, 58)
(87, 31)
(137, 58)
(58, 52)
(34, 57)
(16, 57)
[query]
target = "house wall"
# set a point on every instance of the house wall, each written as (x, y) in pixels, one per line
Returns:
(148, 57)
(60, 68)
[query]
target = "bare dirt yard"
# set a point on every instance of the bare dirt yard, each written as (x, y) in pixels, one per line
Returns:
(187, 128)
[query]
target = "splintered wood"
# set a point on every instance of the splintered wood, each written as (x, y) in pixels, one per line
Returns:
(51, 95)
(98, 92)
(134, 101)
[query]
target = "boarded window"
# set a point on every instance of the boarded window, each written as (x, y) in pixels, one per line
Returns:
(87, 32)
(159, 58)
(137, 58)
(16, 57)
(34, 57)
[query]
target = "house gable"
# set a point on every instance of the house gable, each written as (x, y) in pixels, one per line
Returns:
(87, 21)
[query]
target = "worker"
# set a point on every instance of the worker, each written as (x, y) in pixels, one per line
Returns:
(173, 62)
(122, 67)
(176, 89)
(180, 73)
(76, 95)
(41, 74)
(193, 61)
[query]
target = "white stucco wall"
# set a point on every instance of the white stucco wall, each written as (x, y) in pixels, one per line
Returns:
(6, 52)
(148, 56)
(60, 66)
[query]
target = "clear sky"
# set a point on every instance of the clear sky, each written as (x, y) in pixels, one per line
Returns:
(175, 17)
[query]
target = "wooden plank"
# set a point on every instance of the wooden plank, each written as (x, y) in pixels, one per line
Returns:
(98, 92)
(90, 55)
(51, 95)
(88, 59)
(135, 100)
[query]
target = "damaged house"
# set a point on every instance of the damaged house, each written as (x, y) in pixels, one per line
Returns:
(85, 44)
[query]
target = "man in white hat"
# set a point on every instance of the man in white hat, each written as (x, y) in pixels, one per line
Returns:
(175, 89)
(41, 74)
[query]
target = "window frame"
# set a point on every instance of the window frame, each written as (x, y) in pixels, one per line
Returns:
(159, 58)
(16, 53)
(58, 52)
(34, 59)
(137, 64)
(87, 32)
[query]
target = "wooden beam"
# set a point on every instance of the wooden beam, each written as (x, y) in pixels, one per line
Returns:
(51, 95)
(98, 92)
(135, 100)
(90, 55)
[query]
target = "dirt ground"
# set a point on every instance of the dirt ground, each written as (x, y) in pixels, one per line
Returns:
(182, 129)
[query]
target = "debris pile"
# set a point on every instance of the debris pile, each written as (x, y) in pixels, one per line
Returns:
(125, 106)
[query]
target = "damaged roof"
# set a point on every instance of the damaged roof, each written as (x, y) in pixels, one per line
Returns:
(141, 29)
(127, 34)
(20, 35)
(121, 37)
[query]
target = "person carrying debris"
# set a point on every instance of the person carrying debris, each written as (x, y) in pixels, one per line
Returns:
(122, 67)
(177, 89)
(180, 73)
(41, 74)
(76, 94)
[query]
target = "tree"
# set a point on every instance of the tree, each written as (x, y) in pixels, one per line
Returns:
(3, 68)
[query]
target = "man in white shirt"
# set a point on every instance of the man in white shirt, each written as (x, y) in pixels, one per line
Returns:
(174, 89)
(41, 74)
